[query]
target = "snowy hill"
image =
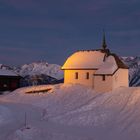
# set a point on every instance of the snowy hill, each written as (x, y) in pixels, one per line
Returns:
(73, 112)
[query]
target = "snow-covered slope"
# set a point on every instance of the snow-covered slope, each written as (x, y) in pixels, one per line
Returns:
(5, 115)
(74, 112)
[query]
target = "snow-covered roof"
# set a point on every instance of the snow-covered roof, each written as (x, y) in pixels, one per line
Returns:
(108, 67)
(85, 60)
(103, 60)
(4, 72)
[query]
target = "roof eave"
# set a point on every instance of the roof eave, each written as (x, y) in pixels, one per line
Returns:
(79, 68)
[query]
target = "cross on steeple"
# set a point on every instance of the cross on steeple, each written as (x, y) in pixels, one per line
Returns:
(104, 46)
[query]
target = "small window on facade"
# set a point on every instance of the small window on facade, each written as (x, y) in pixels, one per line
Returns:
(87, 75)
(76, 75)
(103, 77)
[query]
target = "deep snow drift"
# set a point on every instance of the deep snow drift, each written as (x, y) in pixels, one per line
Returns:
(74, 112)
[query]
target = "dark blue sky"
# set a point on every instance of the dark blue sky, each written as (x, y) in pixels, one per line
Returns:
(51, 30)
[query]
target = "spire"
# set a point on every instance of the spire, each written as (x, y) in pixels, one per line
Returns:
(104, 46)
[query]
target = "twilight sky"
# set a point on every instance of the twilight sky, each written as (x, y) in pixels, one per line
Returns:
(51, 30)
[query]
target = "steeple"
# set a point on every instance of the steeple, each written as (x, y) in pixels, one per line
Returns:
(104, 46)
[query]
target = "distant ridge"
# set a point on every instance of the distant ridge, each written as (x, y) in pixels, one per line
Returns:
(37, 73)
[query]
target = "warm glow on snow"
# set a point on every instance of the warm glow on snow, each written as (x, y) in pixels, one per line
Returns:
(84, 59)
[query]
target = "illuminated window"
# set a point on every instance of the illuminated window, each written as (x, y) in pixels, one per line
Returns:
(76, 75)
(87, 75)
(103, 77)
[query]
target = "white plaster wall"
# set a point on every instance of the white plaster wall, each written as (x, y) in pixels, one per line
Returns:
(121, 78)
(69, 77)
(103, 86)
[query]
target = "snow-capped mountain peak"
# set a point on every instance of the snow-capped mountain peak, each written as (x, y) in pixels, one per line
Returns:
(38, 68)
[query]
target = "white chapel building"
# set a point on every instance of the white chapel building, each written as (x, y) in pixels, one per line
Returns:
(99, 69)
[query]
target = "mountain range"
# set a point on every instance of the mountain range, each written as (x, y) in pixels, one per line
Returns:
(37, 73)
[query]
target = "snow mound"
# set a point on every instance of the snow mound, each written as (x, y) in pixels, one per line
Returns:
(58, 101)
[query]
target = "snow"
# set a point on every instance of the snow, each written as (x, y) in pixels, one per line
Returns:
(5, 67)
(4, 72)
(26, 134)
(73, 112)
(5, 115)
(35, 133)
(84, 59)
(38, 68)
(108, 67)
(128, 58)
